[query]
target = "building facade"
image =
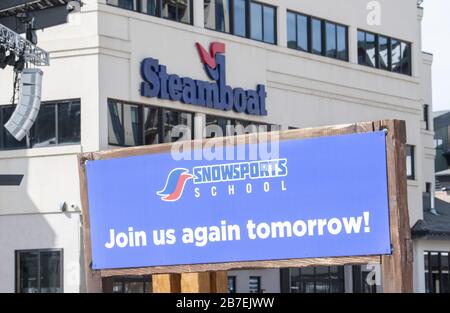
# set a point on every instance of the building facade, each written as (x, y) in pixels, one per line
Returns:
(320, 62)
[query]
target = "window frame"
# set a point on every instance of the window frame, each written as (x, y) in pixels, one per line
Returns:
(429, 285)
(248, 21)
(377, 52)
(161, 120)
(123, 280)
(286, 278)
(39, 251)
(258, 280)
(137, 7)
(29, 136)
(233, 280)
(323, 33)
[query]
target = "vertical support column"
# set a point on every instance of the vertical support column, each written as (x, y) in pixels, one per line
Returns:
(93, 279)
(198, 13)
(397, 269)
(208, 282)
(281, 26)
(195, 282)
(166, 283)
(219, 282)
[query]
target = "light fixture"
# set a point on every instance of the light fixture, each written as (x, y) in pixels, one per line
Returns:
(11, 59)
(20, 64)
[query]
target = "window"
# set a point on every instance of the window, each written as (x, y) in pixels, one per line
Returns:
(317, 36)
(313, 280)
(217, 15)
(175, 10)
(383, 52)
(243, 18)
(254, 284)
(231, 284)
(426, 116)
(298, 30)
(135, 124)
(221, 126)
(410, 168)
(437, 278)
(364, 281)
(132, 284)
(57, 123)
(39, 271)
(426, 197)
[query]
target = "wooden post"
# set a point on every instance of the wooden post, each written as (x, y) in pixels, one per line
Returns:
(219, 282)
(195, 282)
(93, 280)
(397, 269)
(166, 283)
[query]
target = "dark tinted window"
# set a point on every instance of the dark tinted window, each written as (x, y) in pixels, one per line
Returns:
(7, 141)
(314, 279)
(43, 132)
(370, 50)
(135, 124)
(153, 7)
(151, 125)
(177, 126)
(39, 271)
(361, 47)
(115, 127)
(56, 123)
(396, 55)
(437, 277)
(69, 118)
(405, 58)
(383, 52)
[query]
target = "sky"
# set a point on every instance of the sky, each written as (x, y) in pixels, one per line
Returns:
(436, 40)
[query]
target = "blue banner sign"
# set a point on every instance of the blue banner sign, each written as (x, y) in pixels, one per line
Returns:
(322, 197)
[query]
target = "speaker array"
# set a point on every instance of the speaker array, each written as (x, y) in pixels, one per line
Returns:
(28, 105)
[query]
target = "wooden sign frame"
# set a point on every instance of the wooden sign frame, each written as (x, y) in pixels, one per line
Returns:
(396, 269)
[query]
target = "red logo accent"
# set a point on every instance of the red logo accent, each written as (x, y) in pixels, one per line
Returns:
(210, 58)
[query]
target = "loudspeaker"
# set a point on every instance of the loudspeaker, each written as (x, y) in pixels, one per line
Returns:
(27, 109)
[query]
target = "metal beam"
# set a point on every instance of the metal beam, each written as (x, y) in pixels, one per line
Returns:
(42, 19)
(10, 4)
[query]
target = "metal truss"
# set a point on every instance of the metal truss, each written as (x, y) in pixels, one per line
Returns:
(12, 41)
